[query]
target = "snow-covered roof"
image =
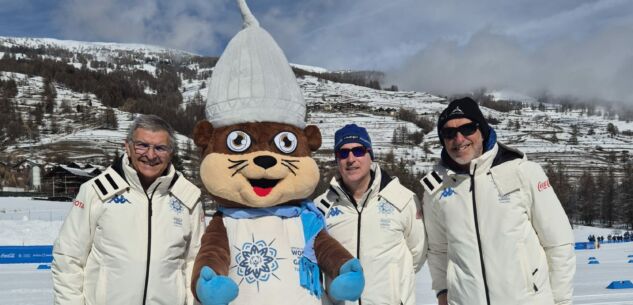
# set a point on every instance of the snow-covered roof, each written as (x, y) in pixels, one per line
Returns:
(75, 171)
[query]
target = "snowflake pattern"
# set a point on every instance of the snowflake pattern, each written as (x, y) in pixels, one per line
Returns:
(256, 262)
(385, 208)
(175, 205)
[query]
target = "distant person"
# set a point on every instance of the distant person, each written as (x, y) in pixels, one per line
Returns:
(497, 232)
(376, 219)
(134, 231)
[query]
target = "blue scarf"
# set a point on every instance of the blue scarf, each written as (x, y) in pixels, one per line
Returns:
(313, 222)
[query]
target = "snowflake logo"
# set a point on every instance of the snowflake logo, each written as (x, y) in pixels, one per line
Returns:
(256, 262)
(385, 208)
(175, 205)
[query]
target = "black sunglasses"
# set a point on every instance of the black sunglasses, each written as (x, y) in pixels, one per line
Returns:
(358, 152)
(466, 130)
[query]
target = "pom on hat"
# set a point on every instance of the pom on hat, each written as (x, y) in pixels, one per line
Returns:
(463, 108)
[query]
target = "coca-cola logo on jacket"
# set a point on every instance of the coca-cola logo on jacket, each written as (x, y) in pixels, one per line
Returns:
(543, 185)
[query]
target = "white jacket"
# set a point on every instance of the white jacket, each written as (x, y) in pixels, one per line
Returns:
(119, 245)
(498, 235)
(385, 232)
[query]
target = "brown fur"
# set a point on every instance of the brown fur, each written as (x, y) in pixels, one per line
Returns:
(330, 254)
(214, 251)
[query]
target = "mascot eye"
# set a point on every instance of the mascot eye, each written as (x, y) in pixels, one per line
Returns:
(286, 141)
(238, 141)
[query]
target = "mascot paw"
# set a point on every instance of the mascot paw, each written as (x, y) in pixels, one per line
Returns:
(349, 284)
(213, 289)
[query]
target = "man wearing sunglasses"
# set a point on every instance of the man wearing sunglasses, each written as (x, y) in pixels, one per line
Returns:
(376, 219)
(497, 233)
(134, 231)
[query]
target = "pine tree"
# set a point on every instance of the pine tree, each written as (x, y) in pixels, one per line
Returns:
(587, 196)
(607, 185)
(48, 95)
(559, 181)
(625, 206)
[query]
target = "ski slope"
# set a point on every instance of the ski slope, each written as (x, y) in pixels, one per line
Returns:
(31, 222)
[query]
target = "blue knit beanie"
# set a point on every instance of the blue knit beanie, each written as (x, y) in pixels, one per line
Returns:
(352, 133)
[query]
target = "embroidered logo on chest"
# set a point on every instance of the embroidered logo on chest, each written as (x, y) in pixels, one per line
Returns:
(256, 262)
(447, 192)
(385, 208)
(505, 199)
(333, 212)
(175, 205)
(119, 199)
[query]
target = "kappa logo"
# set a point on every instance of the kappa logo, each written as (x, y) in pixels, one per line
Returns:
(119, 199)
(335, 211)
(447, 192)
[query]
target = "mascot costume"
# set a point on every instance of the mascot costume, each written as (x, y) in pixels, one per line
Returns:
(267, 244)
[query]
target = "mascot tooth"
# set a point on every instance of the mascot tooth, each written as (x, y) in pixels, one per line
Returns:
(267, 244)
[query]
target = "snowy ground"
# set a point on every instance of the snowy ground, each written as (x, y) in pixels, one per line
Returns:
(30, 222)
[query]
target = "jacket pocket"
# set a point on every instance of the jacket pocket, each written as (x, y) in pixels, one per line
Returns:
(535, 269)
(540, 273)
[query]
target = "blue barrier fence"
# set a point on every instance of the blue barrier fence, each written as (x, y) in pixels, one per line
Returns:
(26, 254)
(584, 246)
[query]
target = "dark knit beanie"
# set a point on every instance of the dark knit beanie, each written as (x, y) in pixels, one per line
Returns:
(352, 133)
(463, 108)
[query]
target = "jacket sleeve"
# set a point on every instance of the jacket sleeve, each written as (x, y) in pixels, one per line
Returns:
(415, 234)
(437, 244)
(554, 231)
(197, 229)
(72, 247)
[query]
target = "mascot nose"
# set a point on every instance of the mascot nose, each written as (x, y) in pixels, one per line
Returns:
(265, 161)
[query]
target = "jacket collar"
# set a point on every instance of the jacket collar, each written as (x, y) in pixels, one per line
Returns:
(378, 181)
(161, 185)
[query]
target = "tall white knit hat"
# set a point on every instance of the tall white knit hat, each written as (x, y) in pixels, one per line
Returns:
(253, 82)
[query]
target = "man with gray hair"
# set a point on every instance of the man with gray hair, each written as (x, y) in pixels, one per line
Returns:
(133, 232)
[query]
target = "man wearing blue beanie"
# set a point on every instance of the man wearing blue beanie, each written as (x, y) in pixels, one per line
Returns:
(375, 218)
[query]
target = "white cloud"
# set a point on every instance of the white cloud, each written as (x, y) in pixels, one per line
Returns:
(599, 67)
(193, 25)
(566, 46)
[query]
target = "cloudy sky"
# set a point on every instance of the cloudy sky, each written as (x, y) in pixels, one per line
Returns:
(563, 47)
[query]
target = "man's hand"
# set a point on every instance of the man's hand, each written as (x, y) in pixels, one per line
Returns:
(213, 289)
(349, 284)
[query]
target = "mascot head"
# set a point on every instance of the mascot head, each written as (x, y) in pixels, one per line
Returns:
(255, 143)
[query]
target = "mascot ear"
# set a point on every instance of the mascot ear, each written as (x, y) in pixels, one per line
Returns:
(202, 134)
(314, 137)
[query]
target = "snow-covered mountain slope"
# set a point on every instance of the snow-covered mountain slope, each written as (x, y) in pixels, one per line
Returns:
(548, 135)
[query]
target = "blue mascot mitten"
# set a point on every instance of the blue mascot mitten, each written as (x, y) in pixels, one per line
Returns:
(213, 289)
(349, 284)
